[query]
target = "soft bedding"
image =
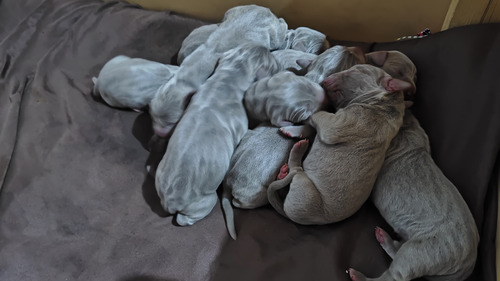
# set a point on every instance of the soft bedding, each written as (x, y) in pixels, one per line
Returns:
(77, 203)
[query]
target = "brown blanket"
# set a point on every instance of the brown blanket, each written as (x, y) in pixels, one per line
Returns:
(77, 204)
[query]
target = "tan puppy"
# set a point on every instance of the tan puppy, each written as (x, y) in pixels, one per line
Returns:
(341, 167)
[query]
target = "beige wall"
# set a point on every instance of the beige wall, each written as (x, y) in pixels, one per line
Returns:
(364, 20)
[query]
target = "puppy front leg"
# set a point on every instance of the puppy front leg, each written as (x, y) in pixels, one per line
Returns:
(297, 131)
(332, 128)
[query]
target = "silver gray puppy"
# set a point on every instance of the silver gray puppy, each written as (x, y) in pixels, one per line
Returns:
(196, 38)
(305, 39)
(288, 58)
(439, 234)
(423, 231)
(339, 171)
(126, 82)
(200, 149)
(242, 24)
(253, 166)
(284, 99)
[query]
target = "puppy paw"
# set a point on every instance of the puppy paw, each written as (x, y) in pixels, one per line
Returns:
(389, 245)
(381, 235)
(355, 275)
(300, 147)
(293, 131)
(283, 172)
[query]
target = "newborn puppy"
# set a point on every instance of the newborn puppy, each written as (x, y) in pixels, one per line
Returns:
(333, 60)
(252, 169)
(306, 40)
(287, 59)
(125, 82)
(284, 99)
(242, 24)
(200, 149)
(439, 234)
(195, 39)
(341, 167)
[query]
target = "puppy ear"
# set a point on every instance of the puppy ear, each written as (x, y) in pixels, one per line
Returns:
(299, 47)
(357, 52)
(262, 73)
(304, 63)
(395, 85)
(377, 58)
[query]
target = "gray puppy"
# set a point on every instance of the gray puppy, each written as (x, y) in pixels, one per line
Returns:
(341, 167)
(126, 82)
(253, 166)
(399, 195)
(242, 24)
(284, 99)
(439, 235)
(196, 38)
(200, 149)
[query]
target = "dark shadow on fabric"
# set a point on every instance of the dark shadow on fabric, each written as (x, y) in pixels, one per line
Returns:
(143, 130)
(145, 278)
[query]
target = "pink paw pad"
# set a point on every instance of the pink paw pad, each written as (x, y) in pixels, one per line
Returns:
(352, 274)
(283, 172)
(380, 234)
(285, 133)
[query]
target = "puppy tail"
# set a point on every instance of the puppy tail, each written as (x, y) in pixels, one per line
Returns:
(228, 212)
(95, 92)
(273, 195)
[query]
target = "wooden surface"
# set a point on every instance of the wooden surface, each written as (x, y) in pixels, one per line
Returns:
(355, 20)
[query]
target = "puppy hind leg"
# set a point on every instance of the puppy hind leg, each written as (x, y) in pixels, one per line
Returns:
(287, 173)
(390, 246)
(283, 172)
(414, 259)
(356, 275)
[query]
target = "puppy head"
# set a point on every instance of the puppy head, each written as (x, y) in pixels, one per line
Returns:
(166, 110)
(361, 83)
(335, 59)
(309, 40)
(396, 64)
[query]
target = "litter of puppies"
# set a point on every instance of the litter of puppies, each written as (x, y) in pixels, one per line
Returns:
(333, 126)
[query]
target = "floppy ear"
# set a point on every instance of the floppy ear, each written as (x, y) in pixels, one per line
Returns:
(378, 58)
(304, 63)
(357, 52)
(300, 47)
(262, 73)
(395, 85)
